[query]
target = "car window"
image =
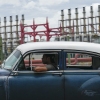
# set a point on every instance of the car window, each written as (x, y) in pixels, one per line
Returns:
(34, 59)
(82, 60)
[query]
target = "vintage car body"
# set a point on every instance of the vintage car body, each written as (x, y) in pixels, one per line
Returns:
(69, 82)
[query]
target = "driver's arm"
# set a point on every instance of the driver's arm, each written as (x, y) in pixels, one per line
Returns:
(39, 69)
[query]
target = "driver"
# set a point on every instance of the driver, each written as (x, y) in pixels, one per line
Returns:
(47, 59)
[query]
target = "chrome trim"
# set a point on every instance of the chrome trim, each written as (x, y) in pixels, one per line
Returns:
(59, 71)
(78, 70)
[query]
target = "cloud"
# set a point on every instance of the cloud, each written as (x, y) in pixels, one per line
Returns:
(51, 2)
(30, 4)
(10, 2)
(34, 5)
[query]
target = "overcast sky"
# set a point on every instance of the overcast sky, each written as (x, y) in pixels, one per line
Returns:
(40, 9)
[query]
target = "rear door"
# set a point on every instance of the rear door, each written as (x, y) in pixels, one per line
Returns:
(84, 85)
(82, 79)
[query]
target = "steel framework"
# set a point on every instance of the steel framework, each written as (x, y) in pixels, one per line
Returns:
(49, 32)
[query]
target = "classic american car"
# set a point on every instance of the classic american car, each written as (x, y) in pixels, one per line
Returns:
(77, 76)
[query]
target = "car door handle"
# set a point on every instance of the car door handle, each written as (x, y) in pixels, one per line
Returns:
(57, 74)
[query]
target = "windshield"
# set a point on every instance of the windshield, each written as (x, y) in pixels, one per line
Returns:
(12, 59)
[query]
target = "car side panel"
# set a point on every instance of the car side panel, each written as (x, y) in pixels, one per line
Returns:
(3, 87)
(36, 86)
(3, 83)
(82, 85)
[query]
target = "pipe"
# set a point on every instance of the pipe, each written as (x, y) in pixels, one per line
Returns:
(62, 19)
(17, 36)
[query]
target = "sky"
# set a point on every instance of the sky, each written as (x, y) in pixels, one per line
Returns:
(40, 9)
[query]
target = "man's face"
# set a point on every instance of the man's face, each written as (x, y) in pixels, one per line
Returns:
(44, 59)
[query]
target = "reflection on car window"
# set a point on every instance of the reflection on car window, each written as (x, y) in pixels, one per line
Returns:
(82, 61)
(79, 60)
(12, 59)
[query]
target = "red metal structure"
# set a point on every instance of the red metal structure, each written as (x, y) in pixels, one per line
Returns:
(49, 32)
(34, 33)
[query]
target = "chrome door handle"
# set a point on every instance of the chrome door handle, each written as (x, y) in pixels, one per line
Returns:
(57, 74)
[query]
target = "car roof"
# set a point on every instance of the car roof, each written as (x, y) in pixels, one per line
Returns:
(86, 46)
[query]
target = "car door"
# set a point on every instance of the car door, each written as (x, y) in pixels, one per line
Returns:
(30, 85)
(81, 81)
(36, 86)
